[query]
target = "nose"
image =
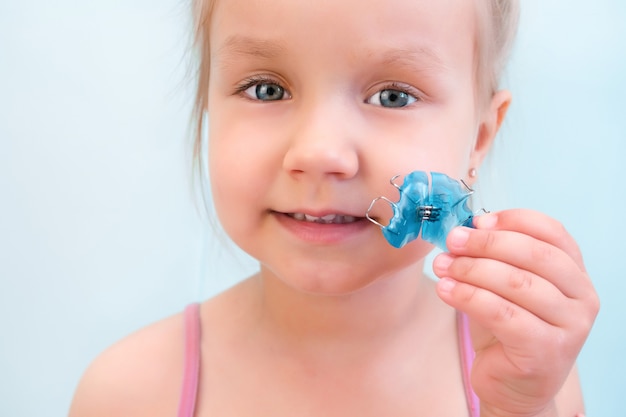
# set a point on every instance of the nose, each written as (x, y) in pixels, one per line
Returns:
(323, 144)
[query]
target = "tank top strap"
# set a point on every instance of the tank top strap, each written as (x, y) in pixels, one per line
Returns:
(467, 360)
(191, 371)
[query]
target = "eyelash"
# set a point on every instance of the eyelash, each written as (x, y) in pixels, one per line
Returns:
(404, 88)
(261, 79)
(255, 80)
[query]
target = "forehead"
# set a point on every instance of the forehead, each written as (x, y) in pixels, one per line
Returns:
(444, 30)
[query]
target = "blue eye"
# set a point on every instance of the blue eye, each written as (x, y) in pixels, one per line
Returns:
(391, 97)
(265, 91)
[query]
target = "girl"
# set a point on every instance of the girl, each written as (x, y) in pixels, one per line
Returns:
(312, 107)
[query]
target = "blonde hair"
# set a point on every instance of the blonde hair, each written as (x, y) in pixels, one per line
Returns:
(496, 34)
(494, 42)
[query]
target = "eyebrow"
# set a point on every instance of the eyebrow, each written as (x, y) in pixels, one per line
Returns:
(411, 57)
(248, 46)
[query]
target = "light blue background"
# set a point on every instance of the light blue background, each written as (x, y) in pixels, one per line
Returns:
(99, 230)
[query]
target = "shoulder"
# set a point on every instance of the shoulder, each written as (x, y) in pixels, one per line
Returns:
(138, 376)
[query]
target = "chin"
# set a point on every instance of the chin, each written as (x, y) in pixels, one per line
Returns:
(321, 278)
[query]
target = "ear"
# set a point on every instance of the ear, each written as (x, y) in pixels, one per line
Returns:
(490, 123)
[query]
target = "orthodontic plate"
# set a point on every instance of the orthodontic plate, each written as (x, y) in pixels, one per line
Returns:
(434, 210)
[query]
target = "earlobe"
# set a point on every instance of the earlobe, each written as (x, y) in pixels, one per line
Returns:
(490, 124)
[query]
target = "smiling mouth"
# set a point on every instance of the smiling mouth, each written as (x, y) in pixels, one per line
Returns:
(327, 219)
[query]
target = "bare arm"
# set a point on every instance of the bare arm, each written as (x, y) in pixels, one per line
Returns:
(569, 401)
(138, 376)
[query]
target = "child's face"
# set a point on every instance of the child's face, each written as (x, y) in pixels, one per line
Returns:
(314, 106)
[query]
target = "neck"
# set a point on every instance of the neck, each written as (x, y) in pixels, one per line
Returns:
(385, 309)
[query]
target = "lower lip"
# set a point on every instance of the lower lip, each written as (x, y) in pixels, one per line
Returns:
(321, 233)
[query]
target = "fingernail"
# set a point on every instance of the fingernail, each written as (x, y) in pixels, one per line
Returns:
(487, 221)
(442, 262)
(446, 284)
(458, 237)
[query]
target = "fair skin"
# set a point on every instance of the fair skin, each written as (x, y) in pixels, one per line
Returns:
(337, 322)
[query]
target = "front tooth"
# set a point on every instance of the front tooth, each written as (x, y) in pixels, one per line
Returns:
(329, 218)
(310, 218)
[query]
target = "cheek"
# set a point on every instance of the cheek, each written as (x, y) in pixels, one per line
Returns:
(236, 152)
(434, 138)
(450, 156)
(448, 149)
(227, 167)
(241, 168)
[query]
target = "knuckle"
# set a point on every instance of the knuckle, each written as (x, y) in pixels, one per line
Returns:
(584, 318)
(504, 312)
(558, 229)
(541, 252)
(466, 293)
(580, 333)
(463, 267)
(520, 280)
(488, 242)
(594, 304)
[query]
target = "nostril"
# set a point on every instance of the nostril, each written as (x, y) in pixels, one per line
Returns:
(320, 160)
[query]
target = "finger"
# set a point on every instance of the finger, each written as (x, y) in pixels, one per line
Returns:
(519, 286)
(517, 329)
(524, 252)
(535, 224)
(509, 323)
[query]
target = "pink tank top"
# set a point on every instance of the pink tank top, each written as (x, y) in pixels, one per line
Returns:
(191, 376)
